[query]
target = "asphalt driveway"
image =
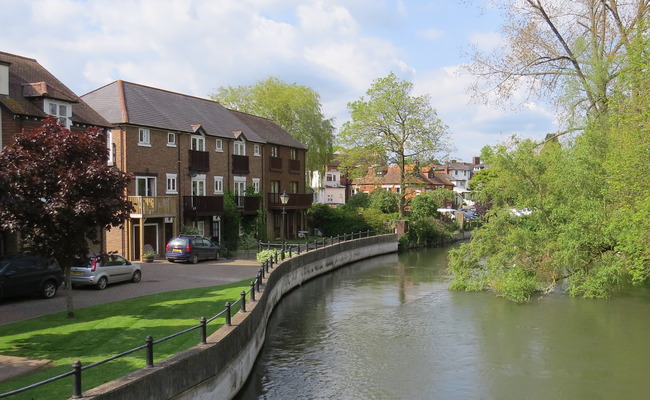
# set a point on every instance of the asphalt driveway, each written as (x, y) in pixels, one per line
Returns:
(157, 277)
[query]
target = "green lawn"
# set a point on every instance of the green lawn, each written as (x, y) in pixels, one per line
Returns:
(99, 332)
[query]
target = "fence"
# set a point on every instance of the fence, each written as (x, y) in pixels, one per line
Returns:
(148, 347)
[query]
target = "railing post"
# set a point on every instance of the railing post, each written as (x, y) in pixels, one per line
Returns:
(149, 342)
(298, 248)
(253, 291)
(76, 380)
(243, 301)
(290, 252)
(228, 313)
(203, 330)
(261, 273)
(259, 279)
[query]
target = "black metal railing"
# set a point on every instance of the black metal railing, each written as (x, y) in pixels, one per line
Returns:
(255, 286)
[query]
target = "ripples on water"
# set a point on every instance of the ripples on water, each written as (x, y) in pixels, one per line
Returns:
(388, 328)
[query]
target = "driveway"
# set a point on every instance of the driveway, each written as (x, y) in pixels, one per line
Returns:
(157, 277)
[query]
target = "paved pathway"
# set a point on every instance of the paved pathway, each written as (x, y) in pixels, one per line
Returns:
(157, 277)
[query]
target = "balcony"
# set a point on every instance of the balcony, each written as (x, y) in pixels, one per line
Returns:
(296, 201)
(240, 164)
(275, 164)
(248, 204)
(199, 161)
(202, 206)
(150, 206)
(294, 166)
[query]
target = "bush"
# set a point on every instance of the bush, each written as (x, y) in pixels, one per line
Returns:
(264, 255)
(425, 232)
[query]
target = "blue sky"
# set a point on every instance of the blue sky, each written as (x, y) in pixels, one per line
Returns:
(336, 47)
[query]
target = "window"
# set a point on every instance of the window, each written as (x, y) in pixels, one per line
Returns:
(240, 190)
(294, 187)
(171, 183)
(144, 137)
(198, 185)
(171, 139)
(109, 144)
(275, 186)
(240, 148)
(219, 145)
(145, 186)
(63, 111)
(256, 185)
(330, 178)
(198, 143)
(292, 154)
(330, 198)
(200, 227)
(256, 150)
(218, 184)
(274, 151)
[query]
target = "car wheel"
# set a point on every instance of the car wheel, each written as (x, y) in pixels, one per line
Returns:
(137, 275)
(194, 259)
(101, 284)
(48, 290)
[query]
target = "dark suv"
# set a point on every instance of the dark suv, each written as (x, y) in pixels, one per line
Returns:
(22, 274)
(191, 248)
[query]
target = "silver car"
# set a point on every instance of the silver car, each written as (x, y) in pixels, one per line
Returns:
(103, 269)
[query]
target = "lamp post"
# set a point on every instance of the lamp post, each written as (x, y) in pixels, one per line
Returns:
(284, 199)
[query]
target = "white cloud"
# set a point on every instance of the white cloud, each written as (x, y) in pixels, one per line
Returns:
(431, 34)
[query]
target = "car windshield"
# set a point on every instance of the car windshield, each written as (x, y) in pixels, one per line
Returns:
(178, 242)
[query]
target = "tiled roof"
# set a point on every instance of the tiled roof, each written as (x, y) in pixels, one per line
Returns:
(123, 102)
(391, 176)
(270, 131)
(29, 80)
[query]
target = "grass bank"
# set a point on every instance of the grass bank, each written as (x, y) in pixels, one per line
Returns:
(99, 332)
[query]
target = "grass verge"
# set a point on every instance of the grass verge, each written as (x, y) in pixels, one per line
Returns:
(102, 331)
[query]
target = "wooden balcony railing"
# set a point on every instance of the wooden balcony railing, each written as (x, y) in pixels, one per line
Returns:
(275, 164)
(150, 206)
(199, 161)
(294, 166)
(248, 204)
(296, 200)
(202, 205)
(240, 164)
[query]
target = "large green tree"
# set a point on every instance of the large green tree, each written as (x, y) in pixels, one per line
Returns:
(58, 192)
(391, 125)
(294, 107)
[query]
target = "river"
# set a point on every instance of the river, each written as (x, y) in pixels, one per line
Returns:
(388, 328)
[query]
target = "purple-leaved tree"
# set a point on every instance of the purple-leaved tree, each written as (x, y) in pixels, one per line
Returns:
(58, 192)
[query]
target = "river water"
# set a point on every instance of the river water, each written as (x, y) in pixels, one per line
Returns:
(388, 328)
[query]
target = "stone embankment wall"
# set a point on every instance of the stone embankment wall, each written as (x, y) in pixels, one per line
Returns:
(218, 369)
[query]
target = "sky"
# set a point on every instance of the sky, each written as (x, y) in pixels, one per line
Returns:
(336, 47)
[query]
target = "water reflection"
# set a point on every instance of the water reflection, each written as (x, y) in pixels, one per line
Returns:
(388, 328)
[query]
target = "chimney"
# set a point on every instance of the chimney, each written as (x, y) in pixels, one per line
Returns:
(476, 160)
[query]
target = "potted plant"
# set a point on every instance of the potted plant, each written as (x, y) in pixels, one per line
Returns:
(148, 256)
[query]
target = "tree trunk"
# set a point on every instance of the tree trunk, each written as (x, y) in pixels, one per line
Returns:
(68, 292)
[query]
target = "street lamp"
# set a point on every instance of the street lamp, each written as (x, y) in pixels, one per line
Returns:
(284, 199)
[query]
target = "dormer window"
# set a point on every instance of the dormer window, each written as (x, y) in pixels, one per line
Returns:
(198, 143)
(240, 148)
(62, 111)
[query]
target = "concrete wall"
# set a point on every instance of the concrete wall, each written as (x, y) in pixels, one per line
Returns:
(218, 369)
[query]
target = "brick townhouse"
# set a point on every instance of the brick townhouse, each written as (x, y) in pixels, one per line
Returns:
(185, 152)
(28, 94)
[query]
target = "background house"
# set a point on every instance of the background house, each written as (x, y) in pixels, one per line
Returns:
(28, 94)
(331, 185)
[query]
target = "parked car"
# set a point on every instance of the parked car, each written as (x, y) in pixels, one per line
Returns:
(191, 248)
(23, 274)
(102, 269)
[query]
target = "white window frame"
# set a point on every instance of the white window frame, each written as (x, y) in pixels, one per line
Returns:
(293, 154)
(59, 109)
(144, 137)
(171, 139)
(172, 184)
(199, 180)
(240, 148)
(274, 151)
(109, 144)
(150, 188)
(219, 145)
(218, 185)
(256, 185)
(256, 150)
(197, 143)
(200, 227)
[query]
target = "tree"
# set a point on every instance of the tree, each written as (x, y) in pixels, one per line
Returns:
(393, 126)
(294, 107)
(568, 52)
(58, 192)
(384, 201)
(427, 204)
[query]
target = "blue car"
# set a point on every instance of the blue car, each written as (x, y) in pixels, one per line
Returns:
(191, 249)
